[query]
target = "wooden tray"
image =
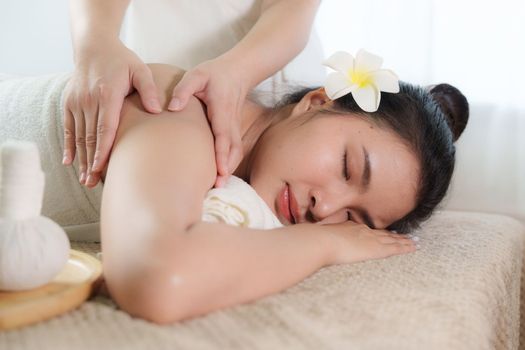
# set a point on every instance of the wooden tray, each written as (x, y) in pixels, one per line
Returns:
(71, 287)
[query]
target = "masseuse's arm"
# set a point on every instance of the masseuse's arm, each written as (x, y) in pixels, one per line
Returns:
(161, 262)
(280, 33)
(105, 72)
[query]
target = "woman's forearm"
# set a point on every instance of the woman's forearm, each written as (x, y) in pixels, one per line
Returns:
(280, 34)
(95, 21)
(215, 266)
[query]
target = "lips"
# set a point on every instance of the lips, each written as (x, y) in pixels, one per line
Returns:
(283, 204)
(287, 205)
(294, 208)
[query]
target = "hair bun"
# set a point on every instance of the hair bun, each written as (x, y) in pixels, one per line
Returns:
(453, 104)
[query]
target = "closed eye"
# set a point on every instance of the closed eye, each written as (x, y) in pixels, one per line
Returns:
(349, 216)
(345, 168)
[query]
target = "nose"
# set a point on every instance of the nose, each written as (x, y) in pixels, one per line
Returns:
(328, 205)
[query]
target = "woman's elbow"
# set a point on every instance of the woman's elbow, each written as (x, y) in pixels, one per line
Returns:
(152, 309)
(147, 299)
(140, 277)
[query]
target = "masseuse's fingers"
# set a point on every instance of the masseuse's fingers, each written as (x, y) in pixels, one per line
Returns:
(220, 130)
(223, 98)
(143, 81)
(69, 136)
(110, 105)
(91, 116)
(195, 82)
(222, 116)
(80, 142)
(93, 180)
(106, 128)
(191, 83)
(228, 149)
(236, 151)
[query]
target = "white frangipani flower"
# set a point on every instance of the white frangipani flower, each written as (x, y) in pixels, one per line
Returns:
(361, 77)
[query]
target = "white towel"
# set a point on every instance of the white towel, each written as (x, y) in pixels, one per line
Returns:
(31, 110)
(238, 204)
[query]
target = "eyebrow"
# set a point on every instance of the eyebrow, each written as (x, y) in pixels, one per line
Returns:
(365, 184)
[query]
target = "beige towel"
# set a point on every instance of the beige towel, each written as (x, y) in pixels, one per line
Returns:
(460, 291)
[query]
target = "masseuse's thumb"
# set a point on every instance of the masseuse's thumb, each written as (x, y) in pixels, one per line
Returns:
(190, 84)
(143, 82)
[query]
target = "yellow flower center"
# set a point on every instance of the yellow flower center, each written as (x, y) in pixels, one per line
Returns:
(360, 78)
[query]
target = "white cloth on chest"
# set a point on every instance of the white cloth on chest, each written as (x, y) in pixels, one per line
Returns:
(238, 204)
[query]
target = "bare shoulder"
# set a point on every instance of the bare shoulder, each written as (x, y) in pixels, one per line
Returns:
(134, 117)
(161, 164)
(133, 112)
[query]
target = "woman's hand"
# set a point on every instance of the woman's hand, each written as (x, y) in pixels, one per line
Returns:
(94, 95)
(222, 88)
(357, 242)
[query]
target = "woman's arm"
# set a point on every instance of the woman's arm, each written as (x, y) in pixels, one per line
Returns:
(160, 262)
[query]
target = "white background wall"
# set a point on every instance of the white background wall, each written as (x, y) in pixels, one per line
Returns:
(34, 37)
(477, 45)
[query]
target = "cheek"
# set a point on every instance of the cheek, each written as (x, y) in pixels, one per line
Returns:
(298, 155)
(310, 157)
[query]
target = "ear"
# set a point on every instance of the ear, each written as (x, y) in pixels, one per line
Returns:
(314, 99)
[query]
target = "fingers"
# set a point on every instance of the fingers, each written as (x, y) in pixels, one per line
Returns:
(80, 124)
(223, 110)
(228, 153)
(220, 181)
(389, 237)
(143, 81)
(402, 247)
(236, 151)
(90, 131)
(91, 118)
(400, 244)
(69, 137)
(93, 179)
(222, 150)
(233, 160)
(219, 114)
(107, 124)
(103, 128)
(191, 83)
(80, 143)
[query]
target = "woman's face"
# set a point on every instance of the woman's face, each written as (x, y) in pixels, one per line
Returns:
(332, 168)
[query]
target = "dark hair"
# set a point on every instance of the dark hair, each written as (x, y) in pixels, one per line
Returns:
(429, 120)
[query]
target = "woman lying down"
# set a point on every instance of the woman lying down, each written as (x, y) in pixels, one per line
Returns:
(335, 182)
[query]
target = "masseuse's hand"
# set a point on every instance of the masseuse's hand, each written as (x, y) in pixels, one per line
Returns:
(94, 95)
(357, 242)
(221, 87)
